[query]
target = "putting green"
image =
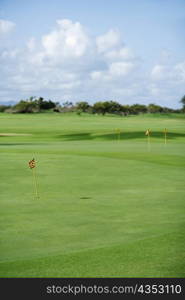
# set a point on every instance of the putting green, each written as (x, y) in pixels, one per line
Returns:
(108, 207)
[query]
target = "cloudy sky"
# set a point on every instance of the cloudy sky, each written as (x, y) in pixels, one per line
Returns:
(128, 51)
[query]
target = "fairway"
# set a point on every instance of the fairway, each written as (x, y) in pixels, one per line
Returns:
(109, 205)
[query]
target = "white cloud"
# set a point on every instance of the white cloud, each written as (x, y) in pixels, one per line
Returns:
(67, 41)
(6, 26)
(167, 82)
(180, 69)
(8, 54)
(122, 53)
(168, 72)
(115, 71)
(31, 44)
(159, 72)
(121, 68)
(108, 41)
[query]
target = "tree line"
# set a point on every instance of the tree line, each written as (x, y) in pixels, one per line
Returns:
(37, 105)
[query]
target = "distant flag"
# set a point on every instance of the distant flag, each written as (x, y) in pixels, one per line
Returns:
(32, 165)
(147, 132)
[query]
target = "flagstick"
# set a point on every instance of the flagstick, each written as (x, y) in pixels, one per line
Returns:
(165, 138)
(35, 183)
(149, 142)
(119, 135)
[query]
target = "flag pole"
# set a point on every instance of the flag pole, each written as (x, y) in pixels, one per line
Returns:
(148, 138)
(118, 134)
(165, 136)
(35, 182)
(149, 141)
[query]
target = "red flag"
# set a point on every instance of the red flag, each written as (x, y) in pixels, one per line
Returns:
(32, 163)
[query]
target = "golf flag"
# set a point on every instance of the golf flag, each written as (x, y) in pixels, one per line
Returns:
(147, 132)
(165, 130)
(32, 163)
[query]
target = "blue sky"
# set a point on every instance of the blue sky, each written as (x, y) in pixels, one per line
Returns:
(129, 51)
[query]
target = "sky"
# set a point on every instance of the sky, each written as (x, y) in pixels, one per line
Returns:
(93, 50)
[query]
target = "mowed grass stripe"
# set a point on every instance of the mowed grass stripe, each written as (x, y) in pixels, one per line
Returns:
(115, 261)
(146, 157)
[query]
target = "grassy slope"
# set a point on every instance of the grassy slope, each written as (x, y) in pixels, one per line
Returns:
(107, 208)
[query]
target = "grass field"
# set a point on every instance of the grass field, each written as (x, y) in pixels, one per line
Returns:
(107, 207)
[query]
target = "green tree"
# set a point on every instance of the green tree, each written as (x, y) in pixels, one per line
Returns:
(44, 104)
(4, 107)
(33, 105)
(82, 106)
(112, 107)
(125, 109)
(25, 106)
(67, 104)
(153, 108)
(99, 108)
(106, 107)
(138, 108)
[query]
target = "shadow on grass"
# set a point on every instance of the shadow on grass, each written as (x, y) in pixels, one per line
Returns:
(114, 136)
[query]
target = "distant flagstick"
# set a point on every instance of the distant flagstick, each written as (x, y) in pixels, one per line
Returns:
(118, 133)
(165, 136)
(148, 134)
(32, 165)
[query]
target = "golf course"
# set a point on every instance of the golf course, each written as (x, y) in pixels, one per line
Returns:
(110, 199)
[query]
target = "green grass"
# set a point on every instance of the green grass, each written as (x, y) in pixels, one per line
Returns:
(107, 208)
